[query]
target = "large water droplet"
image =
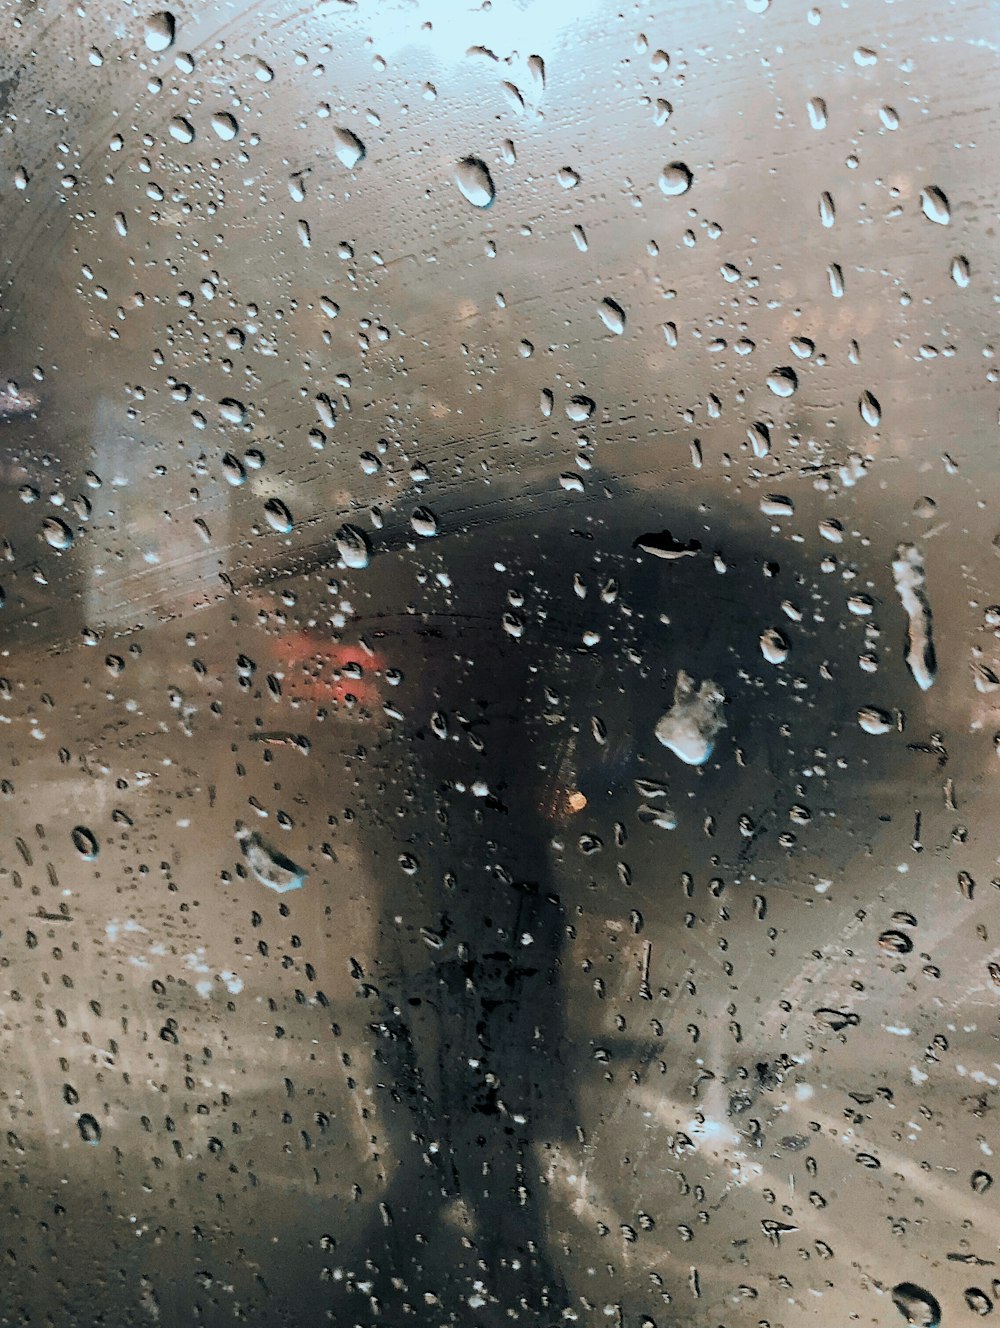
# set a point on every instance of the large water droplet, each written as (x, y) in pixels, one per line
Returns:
(871, 411)
(675, 179)
(424, 522)
(57, 534)
(816, 107)
(474, 181)
(90, 1130)
(783, 382)
(270, 866)
(690, 726)
(908, 574)
(960, 271)
(225, 126)
(85, 842)
(160, 29)
(349, 148)
(181, 129)
(934, 205)
(353, 546)
(278, 516)
(875, 720)
(579, 409)
(612, 316)
(916, 1305)
(773, 646)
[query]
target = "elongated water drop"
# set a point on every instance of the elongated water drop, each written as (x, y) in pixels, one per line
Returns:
(271, 867)
(353, 546)
(474, 182)
(908, 574)
(278, 516)
(934, 205)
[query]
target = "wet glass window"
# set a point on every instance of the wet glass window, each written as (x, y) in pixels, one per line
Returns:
(499, 664)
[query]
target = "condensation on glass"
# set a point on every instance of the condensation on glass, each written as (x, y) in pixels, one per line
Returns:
(500, 666)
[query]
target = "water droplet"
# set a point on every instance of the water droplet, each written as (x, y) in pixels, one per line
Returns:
(690, 726)
(916, 1305)
(349, 148)
(567, 177)
(934, 205)
(981, 1181)
(225, 125)
(90, 1130)
(57, 534)
(181, 129)
(978, 1301)
(777, 504)
(579, 409)
(278, 516)
(889, 117)
(85, 842)
(232, 410)
(773, 646)
(871, 411)
(875, 721)
(270, 866)
(865, 56)
(474, 182)
(783, 382)
(233, 470)
(424, 522)
(263, 73)
(160, 30)
(758, 6)
(760, 439)
(816, 106)
(675, 179)
(353, 546)
(835, 275)
(908, 574)
(960, 271)
(802, 347)
(827, 209)
(612, 316)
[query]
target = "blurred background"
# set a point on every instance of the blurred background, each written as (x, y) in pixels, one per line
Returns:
(499, 663)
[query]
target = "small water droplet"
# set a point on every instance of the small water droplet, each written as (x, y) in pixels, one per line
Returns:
(675, 179)
(349, 148)
(960, 271)
(160, 30)
(233, 470)
(278, 516)
(981, 1181)
(889, 117)
(474, 182)
(827, 209)
(934, 205)
(85, 842)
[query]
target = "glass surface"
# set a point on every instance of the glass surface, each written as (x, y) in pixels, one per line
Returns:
(500, 665)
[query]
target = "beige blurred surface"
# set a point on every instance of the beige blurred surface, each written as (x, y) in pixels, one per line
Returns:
(515, 1050)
